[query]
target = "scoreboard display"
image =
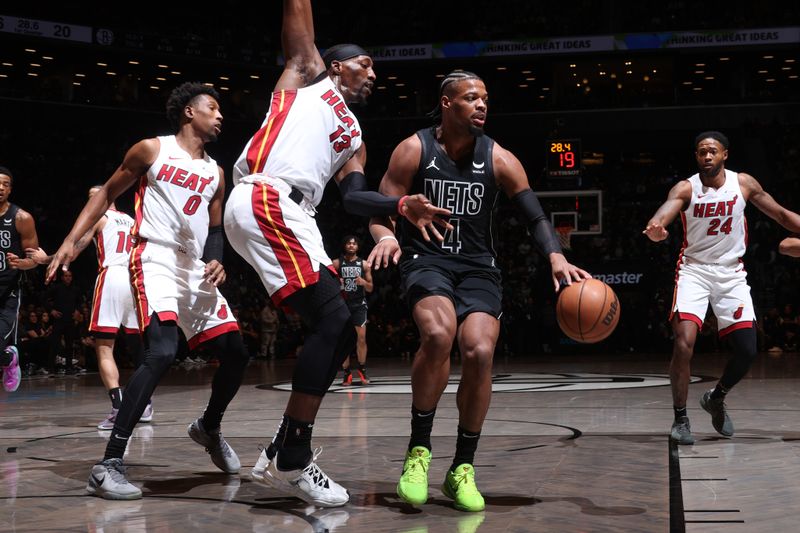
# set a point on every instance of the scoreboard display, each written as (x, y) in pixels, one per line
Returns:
(564, 158)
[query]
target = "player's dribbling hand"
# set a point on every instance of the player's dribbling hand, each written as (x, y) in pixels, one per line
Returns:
(656, 232)
(383, 251)
(565, 272)
(214, 273)
(424, 215)
(62, 258)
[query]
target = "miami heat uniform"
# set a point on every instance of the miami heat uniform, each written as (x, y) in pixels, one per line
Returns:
(170, 232)
(710, 268)
(112, 304)
(306, 137)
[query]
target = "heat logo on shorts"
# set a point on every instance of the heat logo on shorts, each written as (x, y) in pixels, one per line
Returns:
(222, 314)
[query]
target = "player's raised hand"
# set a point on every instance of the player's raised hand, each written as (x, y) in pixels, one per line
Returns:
(214, 273)
(424, 215)
(656, 232)
(38, 255)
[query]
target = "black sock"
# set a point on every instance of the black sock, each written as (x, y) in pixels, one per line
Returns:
(115, 448)
(347, 371)
(6, 357)
(466, 444)
(362, 368)
(421, 427)
(680, 411)
(719, 392)
(116, 397)
(294, 444)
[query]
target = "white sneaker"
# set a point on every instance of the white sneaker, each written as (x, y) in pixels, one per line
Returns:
(147, 415)
(222, 455)
(107, 480)
(310, 484)
(261, 466)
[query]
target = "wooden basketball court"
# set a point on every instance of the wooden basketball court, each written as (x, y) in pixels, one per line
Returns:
(571, 443)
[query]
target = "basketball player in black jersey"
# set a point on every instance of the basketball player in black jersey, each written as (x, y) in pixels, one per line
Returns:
(453, 286)
(17, 232)
(356, 283)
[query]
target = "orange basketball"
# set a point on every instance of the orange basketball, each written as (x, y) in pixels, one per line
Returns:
(587, 311)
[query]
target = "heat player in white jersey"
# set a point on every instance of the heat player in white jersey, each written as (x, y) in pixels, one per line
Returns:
(175, 269)
(710, 271)
(112, 301)
(308, 136)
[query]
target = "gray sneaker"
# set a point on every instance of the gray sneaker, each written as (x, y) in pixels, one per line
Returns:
(222, 455)
(719, 416)
(681, 431)
(107, 480)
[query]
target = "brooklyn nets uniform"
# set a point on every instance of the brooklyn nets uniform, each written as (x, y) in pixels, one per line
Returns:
(354, 294)
(10, 242)
(462, 267)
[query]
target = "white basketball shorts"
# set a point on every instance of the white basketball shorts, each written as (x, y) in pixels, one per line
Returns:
(112, 303)
(169, 282)
(276, 235)
(724, 287)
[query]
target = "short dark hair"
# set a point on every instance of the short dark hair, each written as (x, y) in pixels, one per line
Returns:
(348, 238)
(7, 172)
(181, 96)
(716, 135)
(454, 77)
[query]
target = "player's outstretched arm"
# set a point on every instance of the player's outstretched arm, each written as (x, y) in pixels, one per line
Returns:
(135, 164)
(764, 201)
(303, 62)
(358, 200)
(677, 200)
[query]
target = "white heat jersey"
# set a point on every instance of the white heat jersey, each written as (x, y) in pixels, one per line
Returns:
(114, 242)
(173, 197)
(306, 137)
(715, 229)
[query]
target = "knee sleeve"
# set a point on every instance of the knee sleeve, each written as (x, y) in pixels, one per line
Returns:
(744, 343)
(330, 338)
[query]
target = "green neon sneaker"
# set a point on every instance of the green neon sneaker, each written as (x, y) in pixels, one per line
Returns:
(460, 487)
(413, 484)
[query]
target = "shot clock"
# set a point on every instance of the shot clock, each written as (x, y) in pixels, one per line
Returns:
(564, 158)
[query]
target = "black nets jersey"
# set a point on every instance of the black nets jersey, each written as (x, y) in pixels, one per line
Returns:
(10, 242)
(467, 188)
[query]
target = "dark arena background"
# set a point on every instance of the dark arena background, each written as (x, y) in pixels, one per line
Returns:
(600, 101)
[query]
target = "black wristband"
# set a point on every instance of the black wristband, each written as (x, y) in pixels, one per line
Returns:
(214, 245)
(359, 201)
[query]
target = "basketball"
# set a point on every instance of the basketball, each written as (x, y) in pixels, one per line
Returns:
(587, 310)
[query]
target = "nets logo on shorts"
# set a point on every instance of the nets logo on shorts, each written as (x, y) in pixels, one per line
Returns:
(222, 314)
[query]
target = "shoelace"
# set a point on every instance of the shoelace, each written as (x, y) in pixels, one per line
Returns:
(417, 470)
(319, 477)
(465, 482)
(117, 471)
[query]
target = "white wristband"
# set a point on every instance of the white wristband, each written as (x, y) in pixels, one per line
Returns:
(386, 237)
